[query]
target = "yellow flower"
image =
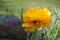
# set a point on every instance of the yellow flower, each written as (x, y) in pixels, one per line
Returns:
(36, 18)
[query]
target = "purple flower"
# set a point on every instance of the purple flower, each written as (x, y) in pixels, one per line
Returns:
(13, 25)
(2, 19)
(11, 21)
(5, 28)
(22, 31)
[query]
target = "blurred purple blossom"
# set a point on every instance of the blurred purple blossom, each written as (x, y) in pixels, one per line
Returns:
(5, 28)
(11, 21)
(12, 24)
(2, 19)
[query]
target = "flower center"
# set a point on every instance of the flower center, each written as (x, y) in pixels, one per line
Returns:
(34, 21)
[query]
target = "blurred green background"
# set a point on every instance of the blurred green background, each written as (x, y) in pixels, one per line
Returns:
(13, 7)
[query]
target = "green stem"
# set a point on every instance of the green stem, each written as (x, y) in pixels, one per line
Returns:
(21, 15)
(28, 36)
(35, 38)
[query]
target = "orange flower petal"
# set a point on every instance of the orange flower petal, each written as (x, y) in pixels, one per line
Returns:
(38, 10)
(27, 24)
(29, 11)
(47, 12)
(30, 29)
